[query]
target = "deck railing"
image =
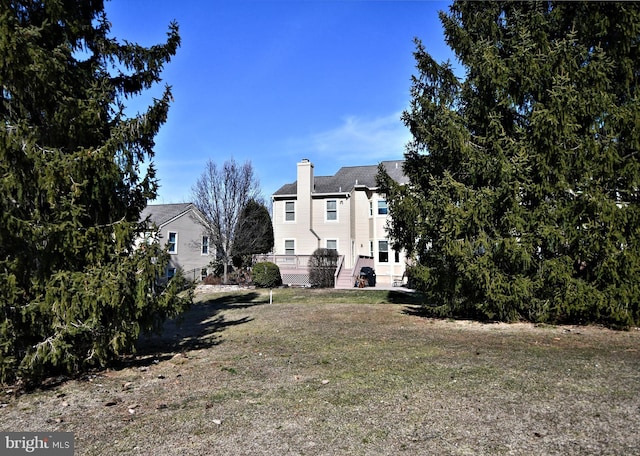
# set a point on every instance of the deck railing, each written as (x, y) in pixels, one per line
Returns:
(294, 269)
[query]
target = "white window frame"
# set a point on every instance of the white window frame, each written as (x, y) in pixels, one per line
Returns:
(204, 250)
(384, 208)
(291, 211)
(149, 237)
(293, 242)
(380, 250)
(331, 211)
(173, 250)
(331, 248)
(171, 272)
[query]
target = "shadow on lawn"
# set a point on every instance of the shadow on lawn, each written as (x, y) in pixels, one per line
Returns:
(197, 328)
(405, 297)
(417, 311)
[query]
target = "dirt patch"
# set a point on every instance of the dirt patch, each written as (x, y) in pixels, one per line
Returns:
(240, 376)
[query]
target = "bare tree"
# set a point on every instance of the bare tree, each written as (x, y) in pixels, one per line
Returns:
(221, 195)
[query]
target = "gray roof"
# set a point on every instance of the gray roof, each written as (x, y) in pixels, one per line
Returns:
(348, 177)
(159, 214)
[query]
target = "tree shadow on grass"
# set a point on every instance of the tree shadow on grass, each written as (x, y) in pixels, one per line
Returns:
(416, 311)
(198, 328)
(405, 297)
(432, 311)
(415, 303)
(236, 301)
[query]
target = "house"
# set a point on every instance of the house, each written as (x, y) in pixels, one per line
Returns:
(181, 228)
(342, 212)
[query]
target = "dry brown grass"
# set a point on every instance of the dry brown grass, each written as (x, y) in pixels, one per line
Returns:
(318, 377)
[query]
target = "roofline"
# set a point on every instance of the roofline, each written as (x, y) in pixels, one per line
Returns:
(190, 207)
(284, 195)
(365, 187)
(340, 193)
(322, 195)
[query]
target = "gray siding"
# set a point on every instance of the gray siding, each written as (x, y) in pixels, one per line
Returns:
(185, 221)
(189, 233)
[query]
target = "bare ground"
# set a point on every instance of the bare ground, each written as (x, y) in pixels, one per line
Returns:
(244, 377)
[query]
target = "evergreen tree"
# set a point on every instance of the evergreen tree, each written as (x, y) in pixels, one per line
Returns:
(254, 233)
(523, 201)
(74, 292)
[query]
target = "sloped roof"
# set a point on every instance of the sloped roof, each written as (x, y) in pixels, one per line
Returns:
(348, 177)
(159, 214)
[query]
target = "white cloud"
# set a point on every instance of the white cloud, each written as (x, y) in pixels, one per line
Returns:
(353, 141)
(356, 141)
(375, 139)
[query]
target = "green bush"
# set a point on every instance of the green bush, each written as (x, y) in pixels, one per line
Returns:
(266, 275)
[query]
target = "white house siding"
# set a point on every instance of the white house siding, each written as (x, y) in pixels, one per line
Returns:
(332, 229)
(360, 232)
(286, 229)
(353, 189)
(307, 241)
(372, 229)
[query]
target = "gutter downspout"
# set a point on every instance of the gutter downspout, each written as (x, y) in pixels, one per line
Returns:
(316, 235)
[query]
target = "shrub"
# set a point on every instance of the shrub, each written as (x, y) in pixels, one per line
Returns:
(266, 275)
(216, 267)
(322, 268)
(212, 280)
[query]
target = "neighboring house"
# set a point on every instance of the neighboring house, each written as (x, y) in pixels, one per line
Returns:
(342, 212)
(180, 229)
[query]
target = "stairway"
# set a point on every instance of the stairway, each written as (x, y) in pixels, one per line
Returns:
(345, 280)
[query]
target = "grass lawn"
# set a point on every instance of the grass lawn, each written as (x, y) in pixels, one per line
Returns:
(349, 373)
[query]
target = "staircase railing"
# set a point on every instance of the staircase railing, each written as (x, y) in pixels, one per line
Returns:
(361, 262)
(338, 270)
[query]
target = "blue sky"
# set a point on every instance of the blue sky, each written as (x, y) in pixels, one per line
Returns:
(273, 82)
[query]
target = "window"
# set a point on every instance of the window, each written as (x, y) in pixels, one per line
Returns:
(289, 247)
(148, 237)
(289, 211)
(332, 244)
(370, 208)
(173, 242)
(171, 272)
(205, 245)
(332, 210)
(383, 251)
(203, 273)
(371, 249)
(396, 256)
(382, 207)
